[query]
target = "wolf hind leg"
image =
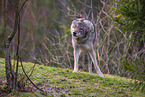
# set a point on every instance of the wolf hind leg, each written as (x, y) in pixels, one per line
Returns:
(89, 65)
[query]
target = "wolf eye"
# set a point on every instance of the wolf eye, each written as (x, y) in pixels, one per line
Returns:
(74, 26)
(81, 30)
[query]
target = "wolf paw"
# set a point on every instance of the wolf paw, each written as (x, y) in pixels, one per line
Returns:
(101, 75)
(91, 73)
(75, 71)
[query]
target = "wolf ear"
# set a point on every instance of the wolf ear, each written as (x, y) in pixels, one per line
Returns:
(73, 24)
(91, 25)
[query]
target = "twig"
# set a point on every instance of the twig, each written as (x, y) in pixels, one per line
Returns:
(23, 5)
(28, 77)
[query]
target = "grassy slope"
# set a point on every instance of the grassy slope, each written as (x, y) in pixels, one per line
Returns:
(58, 82)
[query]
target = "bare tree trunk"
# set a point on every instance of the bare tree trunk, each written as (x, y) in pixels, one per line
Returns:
(8, 67)
(17, 52)
(7, 58)
(4, 11)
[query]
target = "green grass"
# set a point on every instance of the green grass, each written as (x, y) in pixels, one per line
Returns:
(62, 82)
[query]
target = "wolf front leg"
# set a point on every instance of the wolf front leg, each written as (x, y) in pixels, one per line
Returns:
(93, 57)
(76, 59)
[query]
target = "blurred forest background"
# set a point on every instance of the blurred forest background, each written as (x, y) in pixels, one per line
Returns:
(46, 38)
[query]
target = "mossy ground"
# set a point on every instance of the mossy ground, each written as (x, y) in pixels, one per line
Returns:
(62, 82)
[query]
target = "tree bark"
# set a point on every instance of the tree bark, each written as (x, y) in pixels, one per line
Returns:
(7, 67)
(8, 43)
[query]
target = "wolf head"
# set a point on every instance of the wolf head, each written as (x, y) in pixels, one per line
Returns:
(81, 28)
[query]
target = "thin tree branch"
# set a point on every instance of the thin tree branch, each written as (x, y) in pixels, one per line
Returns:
(23, 5)
(28, 77)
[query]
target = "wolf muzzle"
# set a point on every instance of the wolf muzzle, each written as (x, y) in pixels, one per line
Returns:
(74, 33)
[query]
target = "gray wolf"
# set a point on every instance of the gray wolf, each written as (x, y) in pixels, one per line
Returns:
(83, 39)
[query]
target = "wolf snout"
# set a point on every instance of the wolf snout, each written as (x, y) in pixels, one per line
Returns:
(74, 33)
